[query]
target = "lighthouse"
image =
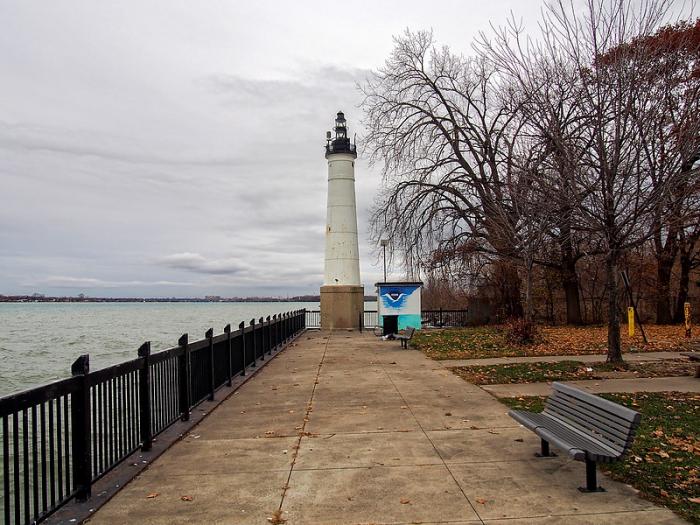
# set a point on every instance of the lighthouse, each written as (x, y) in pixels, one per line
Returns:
(342, 294)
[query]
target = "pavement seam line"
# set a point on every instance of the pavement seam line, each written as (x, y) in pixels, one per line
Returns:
(309, 406)
(410, 409)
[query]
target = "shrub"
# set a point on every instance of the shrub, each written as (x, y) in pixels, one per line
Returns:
(521, 332)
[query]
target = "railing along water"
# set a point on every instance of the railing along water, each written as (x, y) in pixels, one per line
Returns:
(313, 319)
(59, 438)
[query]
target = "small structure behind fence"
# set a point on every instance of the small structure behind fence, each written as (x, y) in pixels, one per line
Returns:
(59, 438)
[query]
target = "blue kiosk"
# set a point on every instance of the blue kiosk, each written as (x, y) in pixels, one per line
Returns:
(398, 306)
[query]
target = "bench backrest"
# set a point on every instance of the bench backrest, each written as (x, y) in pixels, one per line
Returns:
(410, 331)
(594, 416)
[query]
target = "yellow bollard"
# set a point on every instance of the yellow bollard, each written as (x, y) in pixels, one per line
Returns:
(630, 321)
(686, 311)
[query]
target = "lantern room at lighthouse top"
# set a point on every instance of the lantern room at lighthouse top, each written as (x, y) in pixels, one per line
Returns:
(341, 143)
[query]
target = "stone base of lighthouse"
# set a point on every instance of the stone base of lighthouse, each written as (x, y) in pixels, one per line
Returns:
(342, 306)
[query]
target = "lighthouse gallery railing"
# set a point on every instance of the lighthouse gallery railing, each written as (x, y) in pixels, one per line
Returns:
(57, 439)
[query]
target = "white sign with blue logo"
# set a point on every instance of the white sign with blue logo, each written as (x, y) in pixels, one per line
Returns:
(402, 300)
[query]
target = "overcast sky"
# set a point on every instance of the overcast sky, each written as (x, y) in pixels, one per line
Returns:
(163, 148)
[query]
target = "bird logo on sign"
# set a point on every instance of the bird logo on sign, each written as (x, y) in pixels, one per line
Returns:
(394, 298)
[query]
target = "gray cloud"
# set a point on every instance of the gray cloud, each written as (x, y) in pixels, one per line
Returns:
(62, 281)
(183, 154)
(197, 263)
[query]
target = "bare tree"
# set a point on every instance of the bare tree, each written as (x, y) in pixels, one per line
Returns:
(592, 95)
(620, 193)
(549, 85)
(444, 131)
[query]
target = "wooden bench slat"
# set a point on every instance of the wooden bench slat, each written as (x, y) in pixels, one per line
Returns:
(591, 432)
(562, 436)
(610, 429)
(613, 408)
(575, 406)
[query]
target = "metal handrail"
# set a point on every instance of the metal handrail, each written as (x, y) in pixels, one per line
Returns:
(59, 438)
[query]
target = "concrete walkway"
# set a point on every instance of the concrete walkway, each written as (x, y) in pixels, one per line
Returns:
(594, 358)
(597, 386)
(349, 429)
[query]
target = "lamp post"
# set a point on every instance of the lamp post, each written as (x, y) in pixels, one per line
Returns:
(384, 243)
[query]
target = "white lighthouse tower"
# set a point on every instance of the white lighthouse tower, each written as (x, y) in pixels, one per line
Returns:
(342, 294)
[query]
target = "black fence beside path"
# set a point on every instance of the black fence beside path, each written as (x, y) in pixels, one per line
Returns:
(58, 439)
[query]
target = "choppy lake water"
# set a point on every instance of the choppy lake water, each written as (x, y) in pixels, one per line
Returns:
(39, 341)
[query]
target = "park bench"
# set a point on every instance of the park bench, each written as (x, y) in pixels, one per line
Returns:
(587, 427)
(406, 337)
(694, 356)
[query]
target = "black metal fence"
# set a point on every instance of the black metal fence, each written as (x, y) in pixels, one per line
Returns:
(441, 318)
(59, 438)
(313, 319)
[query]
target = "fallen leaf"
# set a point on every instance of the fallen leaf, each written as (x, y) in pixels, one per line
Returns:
(153, 495)
(405, 501)
(482, 501)
(186, 498)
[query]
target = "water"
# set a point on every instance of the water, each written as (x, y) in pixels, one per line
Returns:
(39, 341)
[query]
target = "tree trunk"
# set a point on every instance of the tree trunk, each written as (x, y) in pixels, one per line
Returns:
(614, 345)
(513, 303)
(663, 294)
(569, 277)
(571, 291)
(509, 288)
(686, 264)
(528, 290)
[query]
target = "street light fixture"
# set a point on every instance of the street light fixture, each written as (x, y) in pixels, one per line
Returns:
(384, 243)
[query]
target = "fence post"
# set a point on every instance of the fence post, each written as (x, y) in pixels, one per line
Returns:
(441, 323)
(145, 397)
(227, 331)
(274, 330)
(362, 320)
(262, 339)
(269, 336)
(210, 335)
(81, 435)
(252, 338)
(304, 325)
(279, 331)
(241, 327)
(183, 367)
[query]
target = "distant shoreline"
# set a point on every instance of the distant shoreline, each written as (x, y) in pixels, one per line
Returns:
(213, 299)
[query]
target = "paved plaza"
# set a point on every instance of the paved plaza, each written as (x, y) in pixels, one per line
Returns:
(344, 428)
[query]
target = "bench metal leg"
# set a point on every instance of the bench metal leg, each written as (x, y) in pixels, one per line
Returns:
(591, 478)
(544, 450)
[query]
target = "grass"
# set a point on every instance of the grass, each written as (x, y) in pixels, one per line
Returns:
(569, 370)
(664, 462)
(491, 341)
